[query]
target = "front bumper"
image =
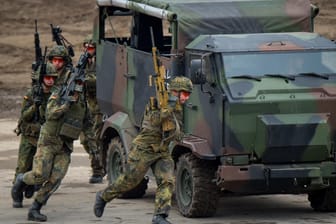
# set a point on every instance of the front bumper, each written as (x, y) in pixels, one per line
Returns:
(293, 178)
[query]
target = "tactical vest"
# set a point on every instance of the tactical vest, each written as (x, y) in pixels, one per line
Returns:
(73, 121)
(69, 126)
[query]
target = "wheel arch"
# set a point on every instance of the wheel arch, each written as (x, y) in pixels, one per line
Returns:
(197, 146)
(119, 124)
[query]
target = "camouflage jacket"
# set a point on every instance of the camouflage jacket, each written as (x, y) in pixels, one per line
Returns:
(32, 117)
(151, 136)
(64, 121)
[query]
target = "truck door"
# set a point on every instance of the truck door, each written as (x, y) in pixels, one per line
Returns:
(203, 113)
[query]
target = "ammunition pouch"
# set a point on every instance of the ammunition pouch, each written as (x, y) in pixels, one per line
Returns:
(71, 128)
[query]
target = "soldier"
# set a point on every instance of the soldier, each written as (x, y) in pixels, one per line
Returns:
(32, 117)
(89, 138)
(61, 60)
(64, 121)
(150, 150)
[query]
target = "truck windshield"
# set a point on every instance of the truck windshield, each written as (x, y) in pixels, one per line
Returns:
(283, 63)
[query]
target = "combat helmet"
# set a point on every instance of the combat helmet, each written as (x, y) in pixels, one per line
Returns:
(50, 70)
(58, 51)
(181, 83)
(89, 40)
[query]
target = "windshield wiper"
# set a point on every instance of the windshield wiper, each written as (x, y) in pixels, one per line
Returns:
(246, 77)
(314, 75)
(280, 76)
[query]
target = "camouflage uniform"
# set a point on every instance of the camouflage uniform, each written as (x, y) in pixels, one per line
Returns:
(32, 117)
(150, 150)
(89, 138)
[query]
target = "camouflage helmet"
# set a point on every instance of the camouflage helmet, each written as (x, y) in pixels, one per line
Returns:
(58, 51)
(181, 83)
(50, 70)
(89, 40)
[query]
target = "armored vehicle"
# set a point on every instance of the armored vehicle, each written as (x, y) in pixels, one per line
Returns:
(261, 118)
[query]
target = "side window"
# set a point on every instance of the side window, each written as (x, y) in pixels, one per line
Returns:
(116, 25)
(208, 69)
(131, 28)
(141, 34)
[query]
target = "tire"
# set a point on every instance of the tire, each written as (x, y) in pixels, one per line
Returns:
(323, 200)
(196, 193)
(116, 162)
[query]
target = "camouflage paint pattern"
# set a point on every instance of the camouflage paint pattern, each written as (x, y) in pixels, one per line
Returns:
(195, 17)
(238, 121)
(263, 119)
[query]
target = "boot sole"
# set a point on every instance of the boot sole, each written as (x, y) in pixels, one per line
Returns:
(36, 220)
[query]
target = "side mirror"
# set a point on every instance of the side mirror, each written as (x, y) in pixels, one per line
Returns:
(314, 10)
(196, 74)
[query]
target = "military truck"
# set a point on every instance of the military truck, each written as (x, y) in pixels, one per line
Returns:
(261, 118)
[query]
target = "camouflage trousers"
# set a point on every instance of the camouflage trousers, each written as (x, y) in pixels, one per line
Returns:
(51, 163)
(138, 163)
(26, 154)
(90, 137)
(88, 140)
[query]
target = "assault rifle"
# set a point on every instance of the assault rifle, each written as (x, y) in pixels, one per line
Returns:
(77, 75)
(162, 97)
(60, 39)
(38, 90)
(38, 52)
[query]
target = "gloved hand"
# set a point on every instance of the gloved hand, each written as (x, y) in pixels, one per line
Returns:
(69, 100)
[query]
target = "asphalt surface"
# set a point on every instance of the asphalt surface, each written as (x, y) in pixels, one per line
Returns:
(73, 201)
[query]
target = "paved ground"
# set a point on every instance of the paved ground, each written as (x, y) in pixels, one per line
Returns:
(73, 201)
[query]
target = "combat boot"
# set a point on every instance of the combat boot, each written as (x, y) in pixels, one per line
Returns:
(17, 191)
(160, 219)
(96, 179)
(34, 213)
(99, 205)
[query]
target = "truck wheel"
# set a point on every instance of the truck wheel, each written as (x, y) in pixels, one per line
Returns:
(196, 193)
(323, 200)
(116, 165)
